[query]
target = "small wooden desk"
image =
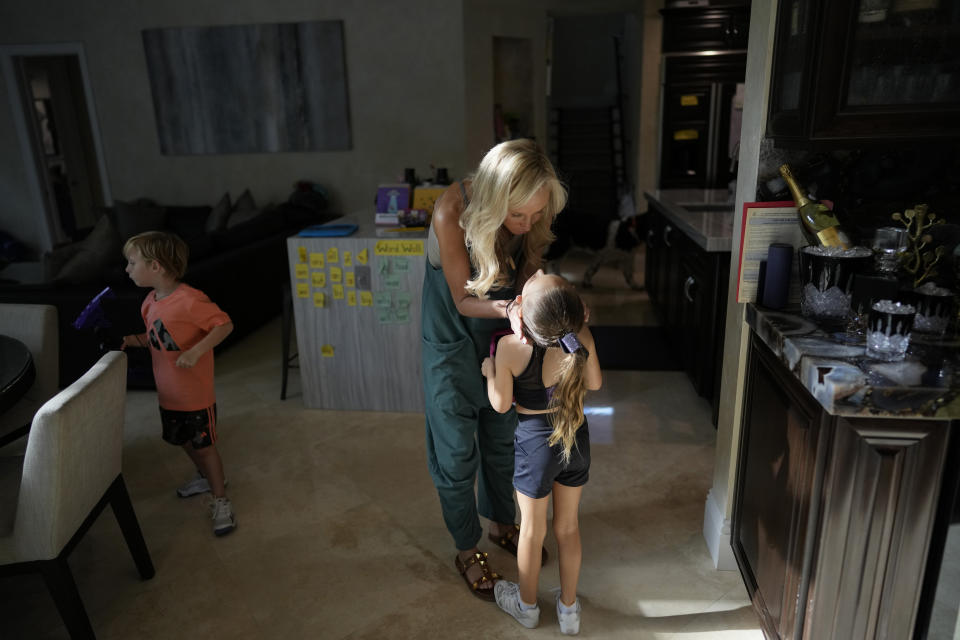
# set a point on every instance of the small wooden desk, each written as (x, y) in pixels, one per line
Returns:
(356, 306)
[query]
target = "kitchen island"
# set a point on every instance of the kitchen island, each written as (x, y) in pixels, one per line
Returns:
(688, 241)
(846, 481)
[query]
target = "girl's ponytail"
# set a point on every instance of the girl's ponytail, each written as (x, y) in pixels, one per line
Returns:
(567, 399)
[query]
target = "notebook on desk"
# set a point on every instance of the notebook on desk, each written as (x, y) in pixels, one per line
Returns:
(328, 230)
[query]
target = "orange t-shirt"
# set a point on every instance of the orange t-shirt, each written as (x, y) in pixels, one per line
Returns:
(175, 324)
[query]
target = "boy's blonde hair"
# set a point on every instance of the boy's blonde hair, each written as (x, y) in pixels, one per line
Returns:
(166, 249)
(509, 175)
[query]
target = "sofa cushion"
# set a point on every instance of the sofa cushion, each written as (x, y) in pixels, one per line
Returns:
(93, 255)
(244, 210)
(217, 220)
(190, 223)
(132, 218)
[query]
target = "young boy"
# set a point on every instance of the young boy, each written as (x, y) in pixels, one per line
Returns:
(183, 327)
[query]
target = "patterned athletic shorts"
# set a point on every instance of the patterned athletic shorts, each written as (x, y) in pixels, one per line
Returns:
(196, 427)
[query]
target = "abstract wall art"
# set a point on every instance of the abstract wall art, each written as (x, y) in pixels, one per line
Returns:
(249, 88)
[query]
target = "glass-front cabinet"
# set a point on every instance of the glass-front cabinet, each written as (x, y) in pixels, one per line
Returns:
(865, 70)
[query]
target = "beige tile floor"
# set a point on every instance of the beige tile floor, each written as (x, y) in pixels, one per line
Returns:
(340, 533)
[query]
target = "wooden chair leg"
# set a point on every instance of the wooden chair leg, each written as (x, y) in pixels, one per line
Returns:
(127, 519)
(59, 580)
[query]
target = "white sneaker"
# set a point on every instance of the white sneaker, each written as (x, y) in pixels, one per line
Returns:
(569, 622)
(222, 513)
(195, 485)
(508, 598)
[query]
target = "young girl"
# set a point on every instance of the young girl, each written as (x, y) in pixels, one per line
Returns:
(547, 364)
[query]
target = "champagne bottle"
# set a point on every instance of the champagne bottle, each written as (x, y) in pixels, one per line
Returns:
(819, 223)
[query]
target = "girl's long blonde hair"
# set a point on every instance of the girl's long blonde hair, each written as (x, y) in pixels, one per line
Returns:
(549, 315)
(508, 176)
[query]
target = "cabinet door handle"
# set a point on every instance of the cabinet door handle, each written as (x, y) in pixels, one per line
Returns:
(666, 232)
(650, 235)
(689, 282)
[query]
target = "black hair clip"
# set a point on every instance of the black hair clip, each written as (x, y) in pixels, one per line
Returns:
(569, 343)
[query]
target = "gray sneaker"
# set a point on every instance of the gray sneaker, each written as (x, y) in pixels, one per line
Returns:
(195, 485)
(569, 622)
(222, 513)
(508, 598)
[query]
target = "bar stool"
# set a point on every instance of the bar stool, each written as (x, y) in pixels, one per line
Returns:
(286, 334)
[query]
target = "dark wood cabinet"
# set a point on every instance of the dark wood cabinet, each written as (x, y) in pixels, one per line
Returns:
(713, 28)
(850, 72)
(834, 518)
(688, 288)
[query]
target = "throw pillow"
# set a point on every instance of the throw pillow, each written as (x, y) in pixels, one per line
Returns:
(132, 218)
(217, 220)
(244, 210)
(190, 224)
(97, 252)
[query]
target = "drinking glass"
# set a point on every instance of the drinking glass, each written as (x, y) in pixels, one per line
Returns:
(888, 330)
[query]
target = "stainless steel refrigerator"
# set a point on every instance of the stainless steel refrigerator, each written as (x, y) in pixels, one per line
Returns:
(701, 108)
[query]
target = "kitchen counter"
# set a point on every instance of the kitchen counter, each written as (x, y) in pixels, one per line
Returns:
(834, 368)
(705, 215)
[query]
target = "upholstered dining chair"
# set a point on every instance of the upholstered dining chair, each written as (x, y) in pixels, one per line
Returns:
(69, 473)
(35, 325)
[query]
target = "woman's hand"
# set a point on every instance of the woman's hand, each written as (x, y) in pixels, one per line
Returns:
(487, 368)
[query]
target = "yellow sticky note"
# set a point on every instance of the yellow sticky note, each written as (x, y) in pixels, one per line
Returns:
(349, 279)
(303, 290)
(399, 248)
(362, 257)
(301, 271)
(302, 253)
(319, 279)
(366, 299)
(319, 299)
(338, 292)
(326, 351)
(688, 101)
(336, 275)
(352, 298)
(316, 260)
(333, 255)
(347, 259)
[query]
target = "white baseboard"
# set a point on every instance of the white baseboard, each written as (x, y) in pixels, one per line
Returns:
(716, 531)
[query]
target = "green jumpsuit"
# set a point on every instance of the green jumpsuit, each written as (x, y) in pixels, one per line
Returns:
(466, 438)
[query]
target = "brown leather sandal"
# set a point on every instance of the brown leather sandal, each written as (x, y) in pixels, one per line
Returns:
(508, 541)
(480, 558)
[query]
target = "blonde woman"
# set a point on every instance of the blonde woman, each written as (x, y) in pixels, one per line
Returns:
(488, 234)
(546, 366)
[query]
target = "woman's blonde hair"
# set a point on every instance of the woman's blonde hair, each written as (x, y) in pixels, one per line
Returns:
(548, 315)
(166, 249)
(509, 175)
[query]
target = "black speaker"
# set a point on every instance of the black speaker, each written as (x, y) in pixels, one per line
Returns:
(776, 281)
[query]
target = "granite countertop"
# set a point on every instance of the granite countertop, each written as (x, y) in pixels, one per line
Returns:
(834, 368)
(706, 215)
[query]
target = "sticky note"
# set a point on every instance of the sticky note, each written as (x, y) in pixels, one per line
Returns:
(348, 279)
(336, 275)
(366, 299)
(316, 260)
(333, 255)
(385, 316)
(382, 299)
(319, 299)
(402, 315)
(301, 271)
(303, 290)
(326, 351)
(383, 266)
(319, 279)
(338, 292)
(347, 259)
(688, 101)
(362, 257)
(402, 298)
(401, 265)
(364, 277)
(352, 298)
(302, 253)
(391, 281)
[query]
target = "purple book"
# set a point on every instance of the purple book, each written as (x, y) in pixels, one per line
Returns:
(392, 198)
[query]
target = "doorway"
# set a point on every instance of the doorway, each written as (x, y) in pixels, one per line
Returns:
(53, 115)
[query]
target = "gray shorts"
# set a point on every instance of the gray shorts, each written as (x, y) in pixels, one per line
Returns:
(537, 466)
